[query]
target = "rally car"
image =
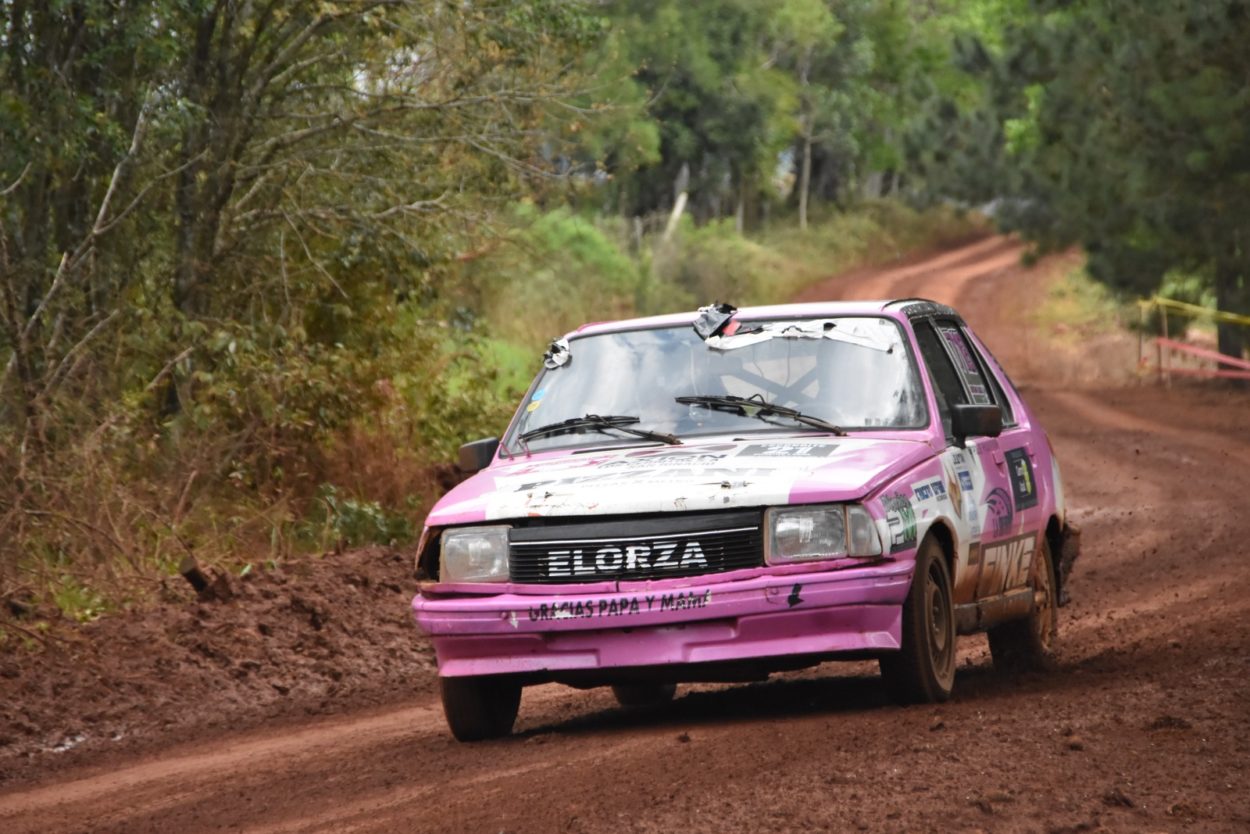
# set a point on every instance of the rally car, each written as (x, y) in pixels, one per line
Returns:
(719, 495)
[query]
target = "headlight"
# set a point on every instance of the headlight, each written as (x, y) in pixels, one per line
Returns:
(799, 534)
(474, 554)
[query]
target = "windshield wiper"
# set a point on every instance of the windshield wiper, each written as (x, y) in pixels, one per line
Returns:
(596, 422)
(756, 406)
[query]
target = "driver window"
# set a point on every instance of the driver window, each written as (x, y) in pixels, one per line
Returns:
(942, 373)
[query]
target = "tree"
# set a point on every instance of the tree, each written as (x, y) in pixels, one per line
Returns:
(1123, 127)
(216, 216)
(721, 107)
(802, 28)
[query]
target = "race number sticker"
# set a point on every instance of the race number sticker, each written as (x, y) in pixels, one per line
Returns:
(1023, 484)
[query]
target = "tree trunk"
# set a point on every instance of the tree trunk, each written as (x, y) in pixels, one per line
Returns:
(805, 179)
(807, 121)
(740, 211)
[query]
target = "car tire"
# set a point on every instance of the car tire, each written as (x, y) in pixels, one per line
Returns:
(923, 669)
(479, 708)
(644, 694)
(1029, 645)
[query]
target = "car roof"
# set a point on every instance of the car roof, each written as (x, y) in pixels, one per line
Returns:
(909, 307)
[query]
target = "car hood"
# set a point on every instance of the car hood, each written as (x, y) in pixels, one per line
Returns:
(694, 476)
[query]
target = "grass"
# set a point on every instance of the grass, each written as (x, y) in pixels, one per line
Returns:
(1078, 307)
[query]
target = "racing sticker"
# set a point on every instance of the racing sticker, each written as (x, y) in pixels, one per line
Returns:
(998, 512)
(1005, 565)
(966, 365)
(536, 400)
(1023, 485)
(618, 607)
(789, 450)
(929, 490)
(901, 518)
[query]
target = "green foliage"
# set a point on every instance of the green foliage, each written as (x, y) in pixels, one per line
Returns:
(1078, 307)
(77, 601)
(556, 267)
(560, 270)
(354, 522)
(1122, 127)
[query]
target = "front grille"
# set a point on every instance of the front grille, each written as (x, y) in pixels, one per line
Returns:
(636, 548)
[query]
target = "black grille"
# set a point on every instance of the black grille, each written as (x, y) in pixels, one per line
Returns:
(637, 548)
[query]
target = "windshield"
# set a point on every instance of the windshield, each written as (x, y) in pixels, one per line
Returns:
(850, 372)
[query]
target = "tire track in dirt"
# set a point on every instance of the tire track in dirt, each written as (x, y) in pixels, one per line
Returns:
(942, 276)
(1225, 450)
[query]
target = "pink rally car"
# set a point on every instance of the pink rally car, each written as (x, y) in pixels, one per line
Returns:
(718, 495)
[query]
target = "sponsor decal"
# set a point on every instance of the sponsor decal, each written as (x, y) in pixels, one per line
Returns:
(901, 518)
(965, 479)
(637, 474)
(612, 559)
(931, 490)
(966, 365)
(998, 512)
(1005, 565)
(1023, 484)
(956, 493)
(618, 606)
(974, 521)
(661, 462)
(789, 450)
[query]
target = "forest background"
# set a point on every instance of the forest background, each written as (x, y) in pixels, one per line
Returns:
(265, 263)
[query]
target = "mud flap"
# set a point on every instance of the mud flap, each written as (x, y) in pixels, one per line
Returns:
(1068, 551)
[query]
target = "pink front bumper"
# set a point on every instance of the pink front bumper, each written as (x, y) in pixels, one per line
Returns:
(708, 619)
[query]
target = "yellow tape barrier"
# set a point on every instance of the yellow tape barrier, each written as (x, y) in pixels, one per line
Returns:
(1194, 310)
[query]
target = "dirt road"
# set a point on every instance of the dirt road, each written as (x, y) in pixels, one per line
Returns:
(1145, 726)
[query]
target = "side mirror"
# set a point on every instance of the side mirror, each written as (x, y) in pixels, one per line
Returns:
(476, 456)
(976, 421)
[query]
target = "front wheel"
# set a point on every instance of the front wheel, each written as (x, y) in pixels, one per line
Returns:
(923, 669)
(1029, 645)
(479, 708)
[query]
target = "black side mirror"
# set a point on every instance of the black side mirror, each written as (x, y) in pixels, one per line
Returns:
(476, 456)
(976, 421)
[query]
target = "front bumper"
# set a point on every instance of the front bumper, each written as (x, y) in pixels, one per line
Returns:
(728, 617)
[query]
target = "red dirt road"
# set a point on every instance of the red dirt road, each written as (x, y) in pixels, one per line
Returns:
(1145, 727)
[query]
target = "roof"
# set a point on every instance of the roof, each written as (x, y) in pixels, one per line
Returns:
(912, 307)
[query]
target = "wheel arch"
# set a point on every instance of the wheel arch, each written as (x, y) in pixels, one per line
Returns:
(940, 530)
(1054, 538)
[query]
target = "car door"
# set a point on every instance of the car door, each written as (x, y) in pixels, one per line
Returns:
(995, 508)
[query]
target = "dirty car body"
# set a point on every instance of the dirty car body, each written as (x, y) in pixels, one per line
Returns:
(719, 495)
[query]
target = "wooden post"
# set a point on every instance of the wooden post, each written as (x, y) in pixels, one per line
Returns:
(1141, 338)
(1163, 375)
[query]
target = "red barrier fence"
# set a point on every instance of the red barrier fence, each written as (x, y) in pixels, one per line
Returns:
(1167, 349)
(1234, 368)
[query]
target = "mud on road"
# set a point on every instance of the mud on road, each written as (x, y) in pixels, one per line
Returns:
(1145, 725)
